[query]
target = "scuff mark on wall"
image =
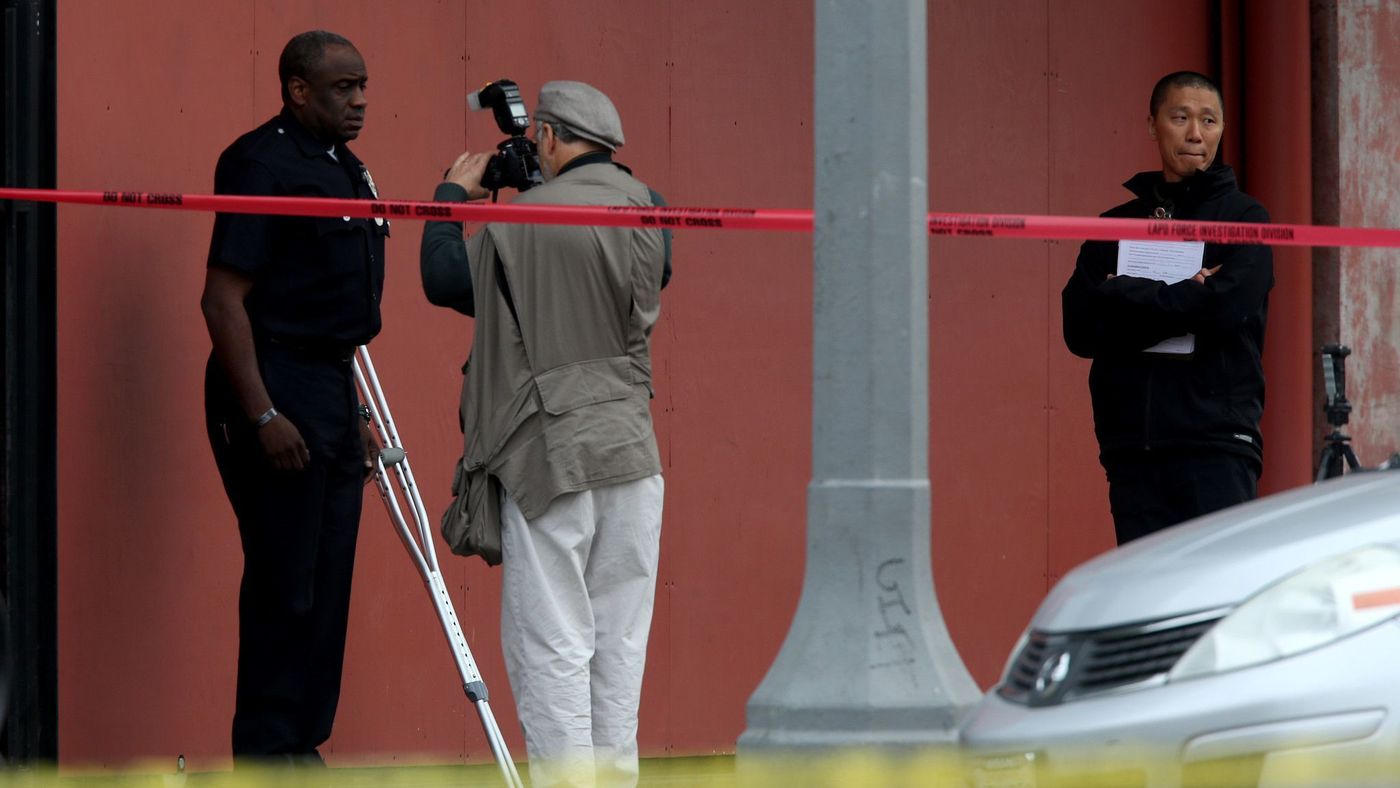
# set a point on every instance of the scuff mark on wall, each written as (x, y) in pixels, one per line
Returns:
(1368, 80)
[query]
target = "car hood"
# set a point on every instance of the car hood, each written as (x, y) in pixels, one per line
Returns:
(1222, 559)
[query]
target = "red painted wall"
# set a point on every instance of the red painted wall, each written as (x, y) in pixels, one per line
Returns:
(1277, 141)
(1035, 108)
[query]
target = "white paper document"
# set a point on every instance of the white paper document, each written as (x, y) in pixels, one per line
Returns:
(1165, 261)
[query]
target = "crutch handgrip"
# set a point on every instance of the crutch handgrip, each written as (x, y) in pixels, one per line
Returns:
(391, 455)
(476, 690)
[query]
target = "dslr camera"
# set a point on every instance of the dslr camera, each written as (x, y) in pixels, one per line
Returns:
(516, 163)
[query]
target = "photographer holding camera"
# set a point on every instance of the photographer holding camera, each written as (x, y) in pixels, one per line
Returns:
(559, 450)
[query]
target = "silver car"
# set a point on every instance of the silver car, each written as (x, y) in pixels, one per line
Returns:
(1256, 646)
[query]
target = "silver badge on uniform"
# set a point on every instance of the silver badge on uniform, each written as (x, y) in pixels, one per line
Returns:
(369, 181)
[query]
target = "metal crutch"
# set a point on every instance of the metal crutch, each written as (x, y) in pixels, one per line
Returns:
(420, 549)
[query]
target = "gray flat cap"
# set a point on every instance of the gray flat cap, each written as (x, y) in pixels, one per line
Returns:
(584, 109)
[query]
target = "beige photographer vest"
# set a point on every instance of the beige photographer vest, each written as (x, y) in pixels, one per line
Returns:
(557, 389)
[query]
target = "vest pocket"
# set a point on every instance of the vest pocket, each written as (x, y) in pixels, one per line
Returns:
(582, 383)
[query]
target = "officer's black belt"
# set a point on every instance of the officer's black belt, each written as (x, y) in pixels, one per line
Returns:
(310, 349)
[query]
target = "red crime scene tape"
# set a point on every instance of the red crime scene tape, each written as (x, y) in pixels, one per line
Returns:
(940, 224)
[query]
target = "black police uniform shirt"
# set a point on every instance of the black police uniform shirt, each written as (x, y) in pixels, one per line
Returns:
(317, 282)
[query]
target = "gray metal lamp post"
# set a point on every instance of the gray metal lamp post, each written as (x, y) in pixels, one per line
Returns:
(868, 660)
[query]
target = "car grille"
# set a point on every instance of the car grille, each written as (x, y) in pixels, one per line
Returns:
(1054, 668)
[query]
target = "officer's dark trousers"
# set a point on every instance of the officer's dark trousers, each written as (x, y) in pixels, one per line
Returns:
(1151, 491)
(298, 531)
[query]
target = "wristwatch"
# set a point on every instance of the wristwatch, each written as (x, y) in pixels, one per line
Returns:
(268, 415)
(364, 412)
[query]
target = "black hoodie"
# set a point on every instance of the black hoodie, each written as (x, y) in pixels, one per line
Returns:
(1145, 402)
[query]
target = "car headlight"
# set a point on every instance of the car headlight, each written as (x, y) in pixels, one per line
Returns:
(1322, 603)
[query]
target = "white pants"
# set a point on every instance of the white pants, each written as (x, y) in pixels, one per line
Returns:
(576, 600)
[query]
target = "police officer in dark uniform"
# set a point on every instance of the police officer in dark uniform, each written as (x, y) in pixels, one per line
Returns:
(286, 300)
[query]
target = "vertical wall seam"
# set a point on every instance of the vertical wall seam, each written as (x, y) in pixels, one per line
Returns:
(1049, 248)
(253, 62)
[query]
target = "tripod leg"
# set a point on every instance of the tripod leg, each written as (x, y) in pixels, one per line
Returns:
(1353, 464)
(1329, 465)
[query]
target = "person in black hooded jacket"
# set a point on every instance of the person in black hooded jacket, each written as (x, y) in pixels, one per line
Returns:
(1178, 433)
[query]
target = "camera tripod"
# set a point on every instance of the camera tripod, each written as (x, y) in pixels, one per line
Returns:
(1337, 456)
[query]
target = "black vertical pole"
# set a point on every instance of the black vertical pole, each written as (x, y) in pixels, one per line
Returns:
(28, 465)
